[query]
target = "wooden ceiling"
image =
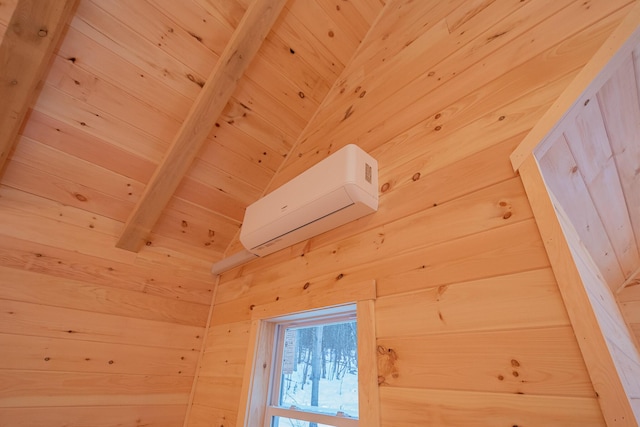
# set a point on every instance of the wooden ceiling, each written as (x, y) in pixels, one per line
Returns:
(133, 84)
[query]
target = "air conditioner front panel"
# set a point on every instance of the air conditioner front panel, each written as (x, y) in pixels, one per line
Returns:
(339, 189)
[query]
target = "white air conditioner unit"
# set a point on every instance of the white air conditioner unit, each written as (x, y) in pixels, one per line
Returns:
(339, 189)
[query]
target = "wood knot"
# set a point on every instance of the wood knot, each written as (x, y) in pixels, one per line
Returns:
(385, 187)
(43, 32)
(306, 285)
(416, 176)
(437, 128)
(339, 276)
(80, 197)
(507, 215)
(301, 94)
(515, 363)
(501, 118)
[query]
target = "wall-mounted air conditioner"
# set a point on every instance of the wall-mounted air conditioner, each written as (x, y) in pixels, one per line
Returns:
(339, 189)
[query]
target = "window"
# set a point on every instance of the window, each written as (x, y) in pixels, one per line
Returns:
(333, 327)
(314, 378)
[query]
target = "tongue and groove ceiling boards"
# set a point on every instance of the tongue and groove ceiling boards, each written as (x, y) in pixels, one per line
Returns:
(134, 88)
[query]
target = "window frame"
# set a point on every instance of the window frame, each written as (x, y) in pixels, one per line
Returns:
(321, 317)
(325, 299)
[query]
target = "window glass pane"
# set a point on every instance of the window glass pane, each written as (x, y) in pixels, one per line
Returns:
(320, 369)
(290, 422)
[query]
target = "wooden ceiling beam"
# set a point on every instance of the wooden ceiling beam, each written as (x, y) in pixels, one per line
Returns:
(244, 44)
(34, 31)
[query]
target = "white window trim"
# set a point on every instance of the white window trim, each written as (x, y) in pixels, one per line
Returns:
(261, 352)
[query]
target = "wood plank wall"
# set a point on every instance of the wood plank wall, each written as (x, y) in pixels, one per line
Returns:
(87, 339)
(91, 335)
(471, 328)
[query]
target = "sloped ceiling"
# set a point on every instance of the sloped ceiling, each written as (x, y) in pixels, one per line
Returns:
(121, 84)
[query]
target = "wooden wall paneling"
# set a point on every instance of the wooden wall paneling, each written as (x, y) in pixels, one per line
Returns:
(302, 41)
(407, 407)
(40, 288)
(369, 9)
(333, 37)
(286, 57)
(95, 416)
(41, 320)
(104, 96)
(503, 251)
(451, 139)
(348, 17)
(205, 416)
(561, 175)
(197, 226)
(207, 28)
(585, 321)
(272, 81)
(68, 264)
(38, 389)
(528, 361)
(211, 198)
(621, 91)
(439, 61)
(248, 165)
(95, 58)
(591, 149)
(516, 301)
(230, 181)
(468, 71)
(32, 227)
(233, 139)
(230, 12)
(69, 192)
(33, 33)
(218, 392)
(100, 124)
(237, 115)
(63, 355)
(149, 23)
(53, 162)
(93, 22)
(225, 351)
(255, 99)
(75, 142)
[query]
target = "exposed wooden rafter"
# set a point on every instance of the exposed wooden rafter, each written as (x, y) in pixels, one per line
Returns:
(244, 44)
(33, 33)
